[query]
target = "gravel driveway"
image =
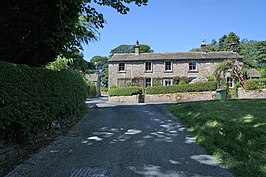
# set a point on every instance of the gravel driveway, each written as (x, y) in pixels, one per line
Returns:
(123, 140)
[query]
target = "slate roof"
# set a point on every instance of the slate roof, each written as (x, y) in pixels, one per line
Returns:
(174, 56)
(253, 73)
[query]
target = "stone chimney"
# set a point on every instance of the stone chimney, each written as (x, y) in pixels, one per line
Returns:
(137, 49)
(233, 47)
(203, 47)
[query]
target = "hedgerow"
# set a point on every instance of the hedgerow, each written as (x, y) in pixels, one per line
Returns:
(254, 84)
(197, 87)
(33, 98)
(125, 91)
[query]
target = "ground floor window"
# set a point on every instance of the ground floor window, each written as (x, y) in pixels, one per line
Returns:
(147, 82)
(230, 82)
(167, 82)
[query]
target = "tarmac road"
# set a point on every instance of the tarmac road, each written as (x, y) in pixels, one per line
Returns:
(123, 141)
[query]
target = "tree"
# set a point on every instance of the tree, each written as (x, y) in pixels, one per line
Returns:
(248, 52)
(99, 61)
(77, 64)
(221, 42)
(261, 53)
(232, 38)
(125, 48)
(34, 32)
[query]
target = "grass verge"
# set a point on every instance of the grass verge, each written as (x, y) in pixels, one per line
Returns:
(233, 131)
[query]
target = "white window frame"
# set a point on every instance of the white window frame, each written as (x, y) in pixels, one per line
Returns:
(191, 65)
(121, 68)
(167, 82)
(146, 82)
(149, 68)
(166, 65)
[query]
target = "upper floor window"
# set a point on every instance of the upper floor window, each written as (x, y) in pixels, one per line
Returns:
(168, 66)
(148, 66)
(121, 67)
(192, 66)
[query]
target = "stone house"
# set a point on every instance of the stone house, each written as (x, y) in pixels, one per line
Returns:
(149, 69)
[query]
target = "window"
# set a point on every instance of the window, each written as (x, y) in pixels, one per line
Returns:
(148, 66)
(230, 82)
(147, 82)
(168, 66)
(192, 66)
(167, 82)
(121, 67)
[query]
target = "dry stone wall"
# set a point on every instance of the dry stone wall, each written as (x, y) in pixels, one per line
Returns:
(251, 94)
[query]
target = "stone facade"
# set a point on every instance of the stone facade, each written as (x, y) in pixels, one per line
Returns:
(134, 66)
(180, 97)
(251, 94)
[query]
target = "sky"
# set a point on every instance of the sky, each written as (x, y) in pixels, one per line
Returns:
(179, 25)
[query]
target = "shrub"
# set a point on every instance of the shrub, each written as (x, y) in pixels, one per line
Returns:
(91, 89)
(125, 91)
(104, 89)
(254, 84)
(198, 87)
(33, 98)
(182, 82)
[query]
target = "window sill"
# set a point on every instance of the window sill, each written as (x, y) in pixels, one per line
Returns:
(196, 71)
(148, 71)
(121, 71)
(168, 71)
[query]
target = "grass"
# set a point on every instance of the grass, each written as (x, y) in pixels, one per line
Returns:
(233, 131)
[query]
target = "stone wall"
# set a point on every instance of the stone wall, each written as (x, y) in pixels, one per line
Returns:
(251, 94)
(124, 99)
(180, 97)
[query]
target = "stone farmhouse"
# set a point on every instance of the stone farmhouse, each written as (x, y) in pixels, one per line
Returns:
(148, 69)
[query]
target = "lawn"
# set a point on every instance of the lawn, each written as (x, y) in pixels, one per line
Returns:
(233, 131)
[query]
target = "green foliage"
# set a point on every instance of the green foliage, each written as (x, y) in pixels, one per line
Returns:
(197, 87)
(253, 84)
(91, 88)
(44, 29)
(182, 82)
(157, 81)
(33, 98)
(104, 89)
(233, 131)
(77, 64)
(102, 66)
(125, 91)
(125, 48)
(176, 80)
(261, 53)
(232, 38)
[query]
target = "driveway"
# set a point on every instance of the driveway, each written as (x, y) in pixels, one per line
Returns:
(123, 141)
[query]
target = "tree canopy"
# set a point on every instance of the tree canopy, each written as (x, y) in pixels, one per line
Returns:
(34, 32)
(125, 48)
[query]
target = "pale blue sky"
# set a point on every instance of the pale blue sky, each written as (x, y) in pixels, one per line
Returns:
(179, 25)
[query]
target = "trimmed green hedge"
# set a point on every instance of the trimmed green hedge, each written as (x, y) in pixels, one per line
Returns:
(125, 91)
(254, 84)
(33, 98)
(197, 87)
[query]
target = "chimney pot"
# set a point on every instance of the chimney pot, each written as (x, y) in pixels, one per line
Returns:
(203, 46)
(137, 48)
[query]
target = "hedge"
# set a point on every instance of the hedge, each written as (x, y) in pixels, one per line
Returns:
(125, 91)
(197, 87)
(91, 88)
(254, 84)
(33, 98)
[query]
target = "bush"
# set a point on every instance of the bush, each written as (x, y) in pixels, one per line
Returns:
(182, 82)
(91, 89)
(198, 87)
(125, 91)
(254, 84)
(104, 89)
(33, 98)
